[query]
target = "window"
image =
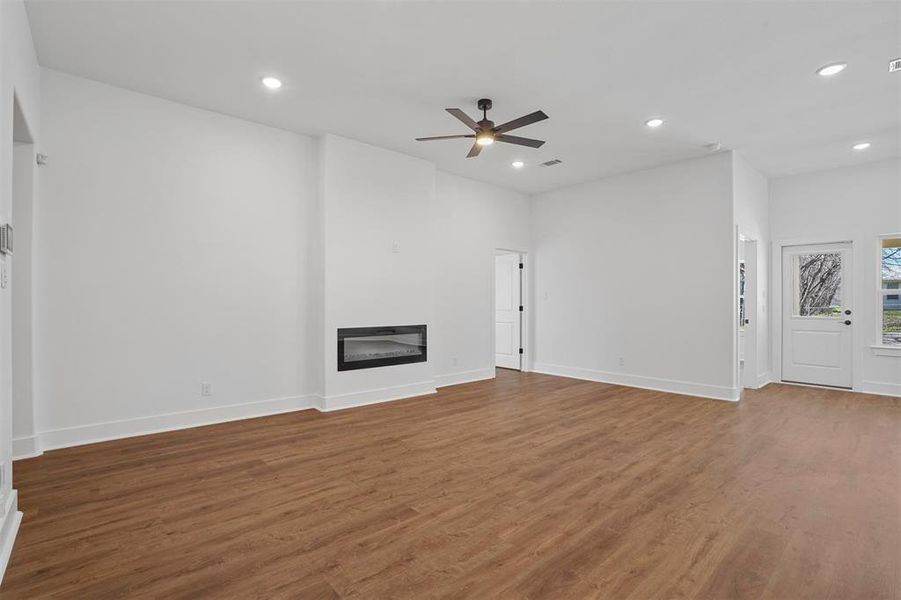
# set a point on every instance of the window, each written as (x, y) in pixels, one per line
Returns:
(889, 315)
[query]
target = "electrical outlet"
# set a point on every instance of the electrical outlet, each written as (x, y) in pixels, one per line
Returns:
(454, 361)
(622, 361)
(206, 389)
(4, 275)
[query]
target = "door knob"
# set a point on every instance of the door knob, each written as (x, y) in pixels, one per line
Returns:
(848, 322)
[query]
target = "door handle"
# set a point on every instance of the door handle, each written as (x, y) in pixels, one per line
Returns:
(848, 322)
(847, 311)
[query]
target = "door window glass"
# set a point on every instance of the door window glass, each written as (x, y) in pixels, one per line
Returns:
(817, 284)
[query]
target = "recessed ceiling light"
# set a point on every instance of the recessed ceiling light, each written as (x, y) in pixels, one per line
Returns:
(654, 123)
(861, 146)
(272, 83)
(518, 164)
(830, 70)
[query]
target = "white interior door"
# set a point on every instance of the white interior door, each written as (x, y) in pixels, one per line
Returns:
(507, 296)
(816, 314)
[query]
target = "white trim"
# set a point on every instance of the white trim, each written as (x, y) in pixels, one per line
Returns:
(376, 396)
(26, 447)
(8, 529)
(686, 388)
(113, 430)
(882, 350)
(881, 388)
(764, 379)
(463, 377)
(752, 281)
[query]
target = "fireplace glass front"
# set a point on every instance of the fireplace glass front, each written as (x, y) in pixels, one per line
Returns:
(369, 347)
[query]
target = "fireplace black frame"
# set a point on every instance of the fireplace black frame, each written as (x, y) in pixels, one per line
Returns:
(355, 332)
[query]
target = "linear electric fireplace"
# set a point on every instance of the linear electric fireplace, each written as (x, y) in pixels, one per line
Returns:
(368, 347)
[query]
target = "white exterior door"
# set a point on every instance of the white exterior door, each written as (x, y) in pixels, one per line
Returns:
(507, 296)
(817, 317)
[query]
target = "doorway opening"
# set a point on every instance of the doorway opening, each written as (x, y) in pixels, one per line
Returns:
(817, 314)
(508, 309)
(747, 313)
(18, 265)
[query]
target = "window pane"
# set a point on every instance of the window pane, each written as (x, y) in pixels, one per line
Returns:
(818, 284)
(891, 264)
(891, 325)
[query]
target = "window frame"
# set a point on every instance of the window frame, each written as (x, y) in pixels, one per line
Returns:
(879, 347)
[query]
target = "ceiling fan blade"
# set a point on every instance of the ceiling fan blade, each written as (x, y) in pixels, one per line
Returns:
(521, 141)
(463, 117)
(443, 137)
(474, 151)
(521, 122)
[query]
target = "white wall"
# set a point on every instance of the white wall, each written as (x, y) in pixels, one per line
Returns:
(193, 247)
(472, 219)
(19, 78)
(857, 204)
(171, 251)
(374, 200)
(751, 202)
(639, 266)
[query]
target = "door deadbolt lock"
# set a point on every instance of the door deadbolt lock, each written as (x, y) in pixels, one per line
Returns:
(848, 322)
(847, 311)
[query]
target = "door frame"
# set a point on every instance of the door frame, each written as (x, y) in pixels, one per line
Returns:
(776, 302)
(525, 318)
(750, 379)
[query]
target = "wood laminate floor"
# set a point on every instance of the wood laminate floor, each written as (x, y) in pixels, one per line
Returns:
(527, 486)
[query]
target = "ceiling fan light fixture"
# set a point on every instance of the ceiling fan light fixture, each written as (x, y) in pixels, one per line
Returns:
(486, 133)
(830, 70)
(271, 83)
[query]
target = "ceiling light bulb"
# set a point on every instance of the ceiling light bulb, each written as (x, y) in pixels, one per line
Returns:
(830, 70)
(272, 83)
(518, 164)
(484, 139)
(654, 123)
(861, 146)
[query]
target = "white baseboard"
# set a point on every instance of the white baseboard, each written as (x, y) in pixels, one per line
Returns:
(376, 396)
(764, 379)
(881, 388)
(113, 430)
(686, 388)
(8, 529)
(463, 377)
(26, 447)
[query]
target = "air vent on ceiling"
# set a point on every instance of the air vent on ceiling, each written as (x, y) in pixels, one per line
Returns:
(894, 65)
(551, 163)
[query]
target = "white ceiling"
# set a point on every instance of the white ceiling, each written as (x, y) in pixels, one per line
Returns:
(737, 73)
